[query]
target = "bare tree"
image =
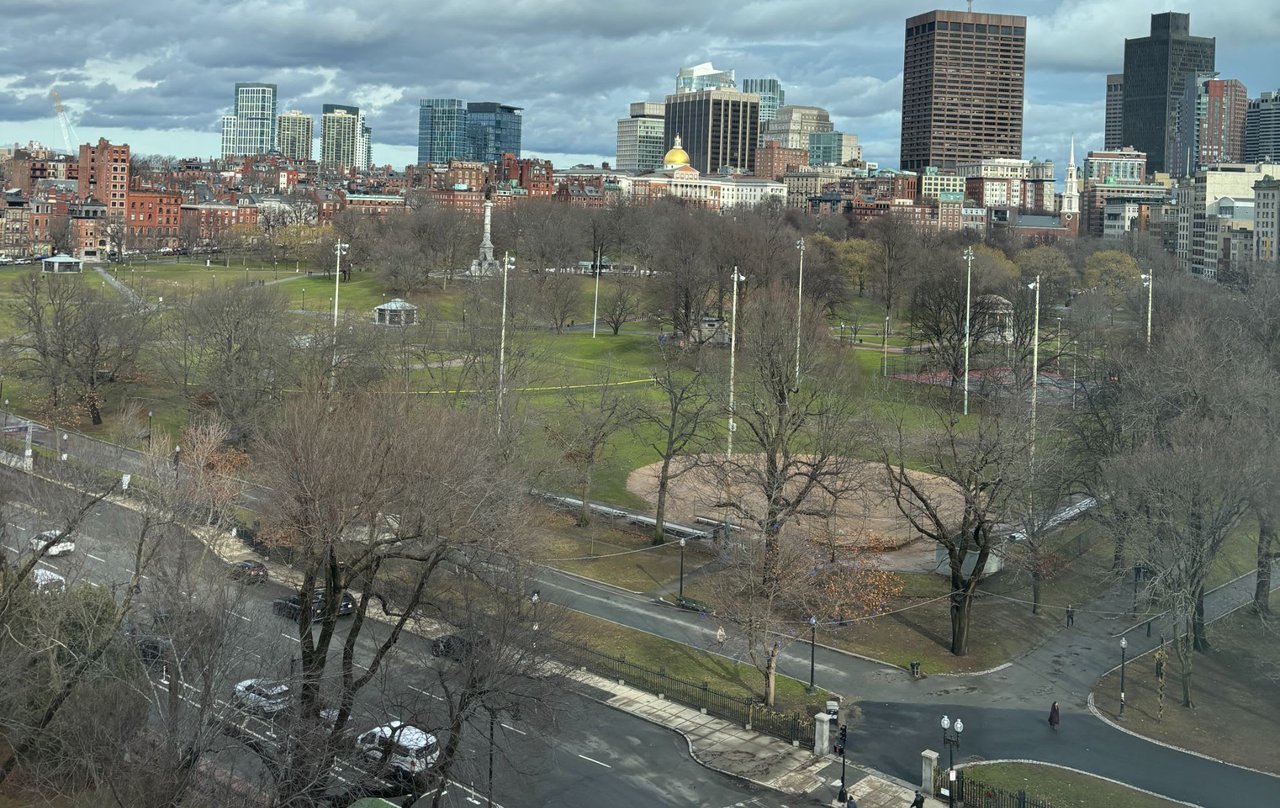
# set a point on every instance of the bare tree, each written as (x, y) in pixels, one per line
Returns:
(677, 422)
(591, 417)
(621, 302)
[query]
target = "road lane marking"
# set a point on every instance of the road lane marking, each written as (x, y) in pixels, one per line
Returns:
(425, 693)
(513, 729)
(95, 586)
(10, 549)
(95, 558)
(593, 760)
(143, 577)
(288, 637)
(242, 617)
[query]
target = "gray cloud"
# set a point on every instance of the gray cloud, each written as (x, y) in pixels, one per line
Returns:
(163, 72)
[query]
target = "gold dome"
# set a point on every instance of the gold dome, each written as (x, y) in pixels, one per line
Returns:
(677, 156)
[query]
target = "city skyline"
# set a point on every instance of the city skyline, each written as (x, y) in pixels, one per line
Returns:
(168, 98)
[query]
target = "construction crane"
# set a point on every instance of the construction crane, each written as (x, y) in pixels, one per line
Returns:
(68, 131)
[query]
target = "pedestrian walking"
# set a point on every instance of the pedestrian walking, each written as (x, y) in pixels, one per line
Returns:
(918, 802)
(720, 636)
(1071, 616)
(1054, 716)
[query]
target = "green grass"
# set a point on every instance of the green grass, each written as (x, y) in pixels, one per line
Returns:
(1233, 688)
(1061, 788)
(623, 557)
(694, 665)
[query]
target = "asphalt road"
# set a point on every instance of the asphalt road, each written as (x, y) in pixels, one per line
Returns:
(594, 756)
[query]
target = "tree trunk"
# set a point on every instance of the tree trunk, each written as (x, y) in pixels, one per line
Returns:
(1035, 591)
(584, 516)
(660, 513)
(960, 603)
(1266, 540)
(1200, 639)
(771, 676)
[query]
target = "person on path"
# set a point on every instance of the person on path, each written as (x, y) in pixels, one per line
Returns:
(918, 802)
(720, 636)
(1054, 716)
(1071, 616)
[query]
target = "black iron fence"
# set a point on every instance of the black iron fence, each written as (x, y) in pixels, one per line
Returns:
(792, 727)
(971, 792)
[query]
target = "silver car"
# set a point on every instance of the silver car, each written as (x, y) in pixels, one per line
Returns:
(53, 543)
(261, 696)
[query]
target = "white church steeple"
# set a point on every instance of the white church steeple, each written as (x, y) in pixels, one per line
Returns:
(1070, 191)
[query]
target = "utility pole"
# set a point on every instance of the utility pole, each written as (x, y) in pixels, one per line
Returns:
(339, 250)
(595, 309)
(502, 341)
(733, 353)
(968, 307)
(799, 308)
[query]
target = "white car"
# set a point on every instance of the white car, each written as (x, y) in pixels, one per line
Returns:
(53, 543)
(261, 696)
(48, 582)
(402, 746)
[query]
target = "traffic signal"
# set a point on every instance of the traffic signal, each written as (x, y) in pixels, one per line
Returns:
(844, 736)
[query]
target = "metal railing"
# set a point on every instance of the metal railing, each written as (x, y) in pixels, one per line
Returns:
(971, 792)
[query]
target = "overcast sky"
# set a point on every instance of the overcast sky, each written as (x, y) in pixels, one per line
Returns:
(158, 74)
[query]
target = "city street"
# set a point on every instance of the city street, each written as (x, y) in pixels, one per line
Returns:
(593, 755)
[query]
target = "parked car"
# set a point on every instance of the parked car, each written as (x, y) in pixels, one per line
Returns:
(401, 747)
(48, 582)
(694, 605)
(53, 543)
(458, 646)
(249, 572)
(291, 606)
(266, 697)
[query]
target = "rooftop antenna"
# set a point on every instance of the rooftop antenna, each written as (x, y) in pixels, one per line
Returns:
(970, 6)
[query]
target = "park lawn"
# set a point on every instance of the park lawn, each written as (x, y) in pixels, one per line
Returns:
(1061, 788)
(561, 544)
(694, 665)
(1238, 555)
(1233, 687)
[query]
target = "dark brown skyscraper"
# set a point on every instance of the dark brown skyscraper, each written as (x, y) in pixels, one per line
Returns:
(1113, 131)
(962, 84)
(1156, 68)
(718, 127)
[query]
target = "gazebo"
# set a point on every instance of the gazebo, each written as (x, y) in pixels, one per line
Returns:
(396, 312)
(61, 263)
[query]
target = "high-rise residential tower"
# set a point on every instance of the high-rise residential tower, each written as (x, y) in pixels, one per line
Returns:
(772, 96)
(442, 130)
(719, 128)
(293, 135)
(344, 137)
(251, 127)
(1156, 68)
(104, 174)
(962, 88)
(704, 77)
(640, 144)
(1262, 129)
(1113, 129)
(1211, 121)
(493, 130)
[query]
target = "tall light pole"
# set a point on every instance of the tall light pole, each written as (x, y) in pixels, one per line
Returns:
(733, 353)
(680, 594)
(968, 307)
(951, 738)
(884, 346)
(502, 340)
(595, 309)
(149, 415)
(799, 307)
(1035, 357)
(1148, 280)
(813, 648)
(339, 250)
(1124, 653)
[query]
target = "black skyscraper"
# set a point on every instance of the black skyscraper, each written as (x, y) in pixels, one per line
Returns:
(1155, 72)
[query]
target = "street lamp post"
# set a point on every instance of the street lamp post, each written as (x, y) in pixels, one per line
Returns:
(1035, 357)
(884, 345)
(65, 438)
(968, 294)
(799, 308)
(813, 648)
(1148, 280)
(149, 416)
(1124, 651)
(680, 596)
(339, 250)
(595, 308)
(951, 739)
(733, 353)
(177, 460)
(502, 339)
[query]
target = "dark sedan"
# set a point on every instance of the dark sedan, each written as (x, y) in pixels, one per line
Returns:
(291, 607)
(249, 572)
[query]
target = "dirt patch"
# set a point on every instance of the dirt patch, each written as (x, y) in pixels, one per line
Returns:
(868, 518)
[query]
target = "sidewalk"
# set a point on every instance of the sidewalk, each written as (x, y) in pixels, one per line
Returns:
(761, 759)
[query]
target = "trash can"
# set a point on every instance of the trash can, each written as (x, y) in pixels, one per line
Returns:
(833, 711)
(915, 669)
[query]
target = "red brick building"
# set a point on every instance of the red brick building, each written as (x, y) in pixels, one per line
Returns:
(103, 174)
(773, 160)
(152, 219)
(534, 176)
